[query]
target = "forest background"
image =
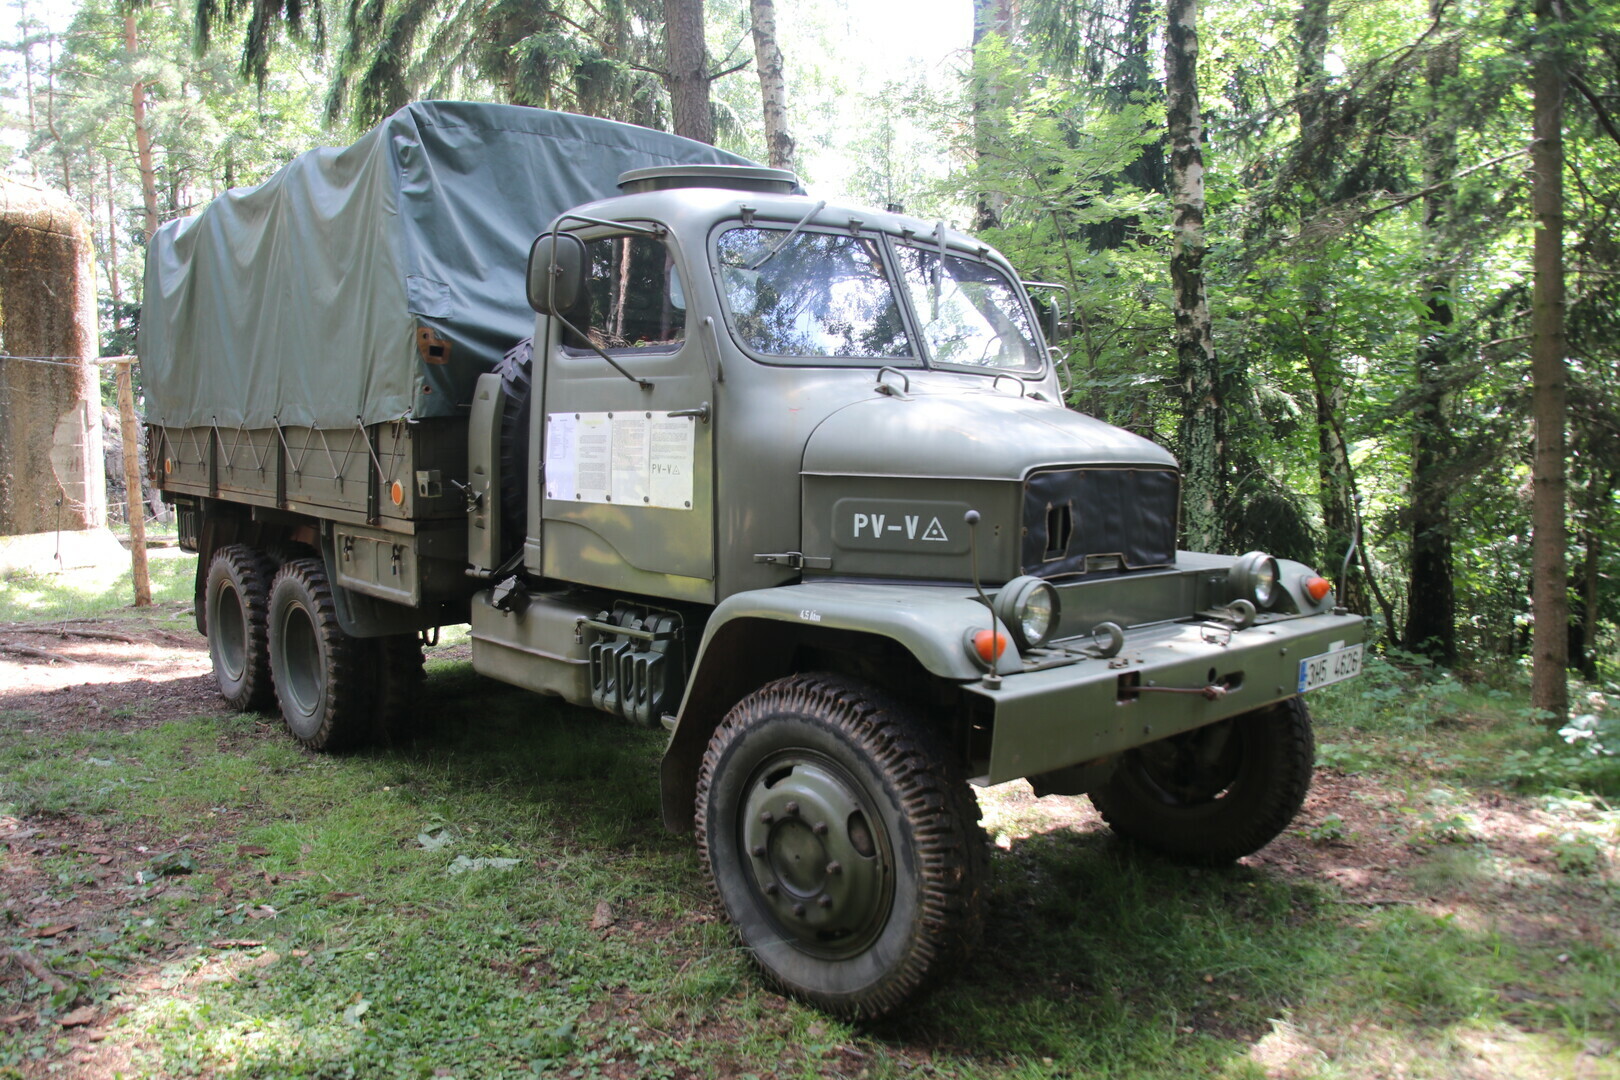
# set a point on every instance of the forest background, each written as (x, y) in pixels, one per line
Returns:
(1305, 255)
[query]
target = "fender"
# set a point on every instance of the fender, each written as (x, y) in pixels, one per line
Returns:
(752, 636)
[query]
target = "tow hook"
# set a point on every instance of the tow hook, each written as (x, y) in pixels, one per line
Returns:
(1212, 692)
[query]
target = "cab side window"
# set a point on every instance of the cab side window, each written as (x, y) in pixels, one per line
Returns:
(632, 300)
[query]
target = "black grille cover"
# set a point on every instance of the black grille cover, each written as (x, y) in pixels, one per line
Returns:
(1072, 515)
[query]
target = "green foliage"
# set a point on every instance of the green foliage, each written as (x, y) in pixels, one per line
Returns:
(1329, 830)
(1049, 152)
(1577, 855)
(1401, 699)
(1582, 755)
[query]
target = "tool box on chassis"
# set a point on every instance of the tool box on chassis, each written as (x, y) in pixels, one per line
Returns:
(793, 480)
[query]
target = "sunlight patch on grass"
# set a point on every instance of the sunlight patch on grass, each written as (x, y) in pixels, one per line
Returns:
(102, 590)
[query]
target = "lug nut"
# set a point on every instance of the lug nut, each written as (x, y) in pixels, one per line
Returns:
(824, 900)
(798, 909)
(792, 808)
(767, 817)
(819, 828)
(770, 888)
(835, 867)
(759, 851)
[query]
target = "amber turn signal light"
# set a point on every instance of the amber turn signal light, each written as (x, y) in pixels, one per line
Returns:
(990, 644)
(1317, 587)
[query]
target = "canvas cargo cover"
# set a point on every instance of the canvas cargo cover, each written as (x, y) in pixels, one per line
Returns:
(375, 281)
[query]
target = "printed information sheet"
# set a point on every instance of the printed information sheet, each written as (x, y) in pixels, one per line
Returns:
(634, 458)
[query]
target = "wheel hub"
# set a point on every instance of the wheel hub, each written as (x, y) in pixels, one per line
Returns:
(230, 631)
(302, 678)
(1195, 767)
(817, 859)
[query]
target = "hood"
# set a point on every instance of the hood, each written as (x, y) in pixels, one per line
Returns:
(988, 435)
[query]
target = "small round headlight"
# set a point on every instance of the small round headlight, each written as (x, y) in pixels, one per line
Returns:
(1254, 577)
(1029, 608)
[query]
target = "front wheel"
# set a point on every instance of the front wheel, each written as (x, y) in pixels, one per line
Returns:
(844, 849)
(1216, 793)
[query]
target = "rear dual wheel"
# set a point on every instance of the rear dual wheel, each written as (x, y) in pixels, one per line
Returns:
(335, 691)
(844, 849)
(236, 598)
(319, 678)
(275, 640)
(396, 668)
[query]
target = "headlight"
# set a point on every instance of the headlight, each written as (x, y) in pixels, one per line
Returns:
(1029, 608)
(1254, 576)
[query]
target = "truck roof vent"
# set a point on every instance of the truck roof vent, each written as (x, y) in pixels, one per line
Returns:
(731, 177)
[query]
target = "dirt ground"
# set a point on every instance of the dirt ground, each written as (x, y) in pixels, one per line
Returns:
(85, 674)
(100, 674)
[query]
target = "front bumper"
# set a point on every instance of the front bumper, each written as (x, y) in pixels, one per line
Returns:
(1055, 717)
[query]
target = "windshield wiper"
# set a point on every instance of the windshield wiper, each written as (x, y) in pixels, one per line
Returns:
(782, 243)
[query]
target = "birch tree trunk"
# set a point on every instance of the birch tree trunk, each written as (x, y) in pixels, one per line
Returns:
(1202, 428)
(688, 76)
(1549, 643)
(113, 280)
(772, 85)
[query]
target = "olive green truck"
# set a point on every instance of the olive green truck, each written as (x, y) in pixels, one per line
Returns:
(794, 481)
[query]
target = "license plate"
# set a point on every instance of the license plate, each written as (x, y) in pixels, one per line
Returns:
(1329, 668)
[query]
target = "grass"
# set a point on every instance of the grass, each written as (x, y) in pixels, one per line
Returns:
(375, 961)
(32, 597)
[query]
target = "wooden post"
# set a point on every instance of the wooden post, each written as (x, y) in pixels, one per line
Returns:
(134, 499)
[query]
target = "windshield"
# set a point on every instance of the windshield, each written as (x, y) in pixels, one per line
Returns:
(969, 312)
(810, 295)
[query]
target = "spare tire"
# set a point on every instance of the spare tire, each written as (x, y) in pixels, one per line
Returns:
(516, 372)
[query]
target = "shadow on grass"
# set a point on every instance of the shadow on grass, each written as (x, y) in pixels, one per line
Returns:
(1095, 955)
(598, 952)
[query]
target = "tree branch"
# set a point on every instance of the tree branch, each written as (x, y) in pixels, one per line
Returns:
(730, 70)
(1597, 106)
(30, 963)
(1412, 196)
(34, 654)
(607, 46)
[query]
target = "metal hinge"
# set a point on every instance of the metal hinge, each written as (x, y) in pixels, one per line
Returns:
(797, 560)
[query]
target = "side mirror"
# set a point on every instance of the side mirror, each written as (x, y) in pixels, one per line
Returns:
(556, 272)
(1054, 305)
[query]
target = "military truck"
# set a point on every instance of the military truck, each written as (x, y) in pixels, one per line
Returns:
(690, 447)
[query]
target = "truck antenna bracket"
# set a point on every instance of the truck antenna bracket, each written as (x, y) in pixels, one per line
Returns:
(971, 519)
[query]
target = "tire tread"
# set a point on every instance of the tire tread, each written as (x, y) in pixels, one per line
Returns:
(343, 720)
(951, 847)
(1284, 734)
(251, 573)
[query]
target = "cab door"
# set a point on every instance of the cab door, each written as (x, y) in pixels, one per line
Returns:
(627, 442)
